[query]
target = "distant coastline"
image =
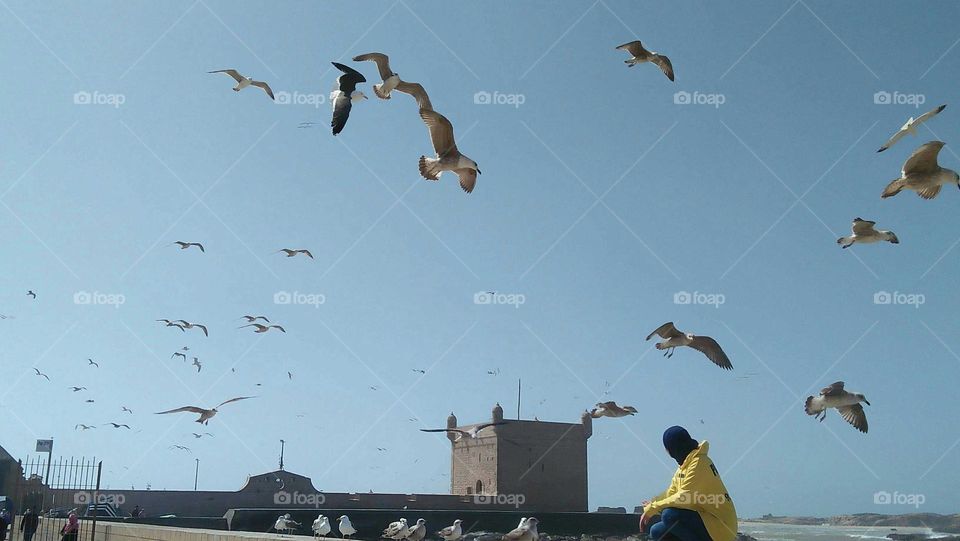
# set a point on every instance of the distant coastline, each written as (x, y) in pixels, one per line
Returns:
(937, 523)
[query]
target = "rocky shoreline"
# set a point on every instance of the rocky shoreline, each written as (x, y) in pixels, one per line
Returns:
(492, 536)
(937, 523)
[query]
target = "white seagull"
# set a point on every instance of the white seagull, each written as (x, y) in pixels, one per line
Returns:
(244, 82)
(343, 524)
(396, 530)
(846, 402)
(922, 174)
(862, 231)
(321, 526)
(527, 532)
(640, 55)
(448, 157)
(205, 414)
(473, 433)
(452, 532)
(911, 127)
(673, 338)
(263, 328)
(417, 532)
(611, 409)
(344, 96)
(251, 319)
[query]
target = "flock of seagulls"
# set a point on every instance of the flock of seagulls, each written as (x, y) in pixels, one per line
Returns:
(401, 530)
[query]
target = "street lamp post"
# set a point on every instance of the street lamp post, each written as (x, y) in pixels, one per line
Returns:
(196, 475)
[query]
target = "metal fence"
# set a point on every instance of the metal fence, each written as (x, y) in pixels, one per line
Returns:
(53, 489)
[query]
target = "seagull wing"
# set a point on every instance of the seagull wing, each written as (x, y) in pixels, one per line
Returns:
(441, 132)
(348, 81)
(202, 328)
(233, 400)
(929, 114)
(341, 111)
(456, 430)
(306, 253)
(191, 409)
(266, 88)
(833, 390)
(383, 63)
(855, 416)
(893, 140)
(634, 47)
(863, 227)
(665, 65)
(709, 347)
(468, 179)
(929, 192)
(667, 330)
(518, 533)
(416, 90)
(487, 425)
(924, 159)
(279, 327)
(232, 73)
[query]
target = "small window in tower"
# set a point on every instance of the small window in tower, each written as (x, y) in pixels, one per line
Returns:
(479, 486)
(469, 490)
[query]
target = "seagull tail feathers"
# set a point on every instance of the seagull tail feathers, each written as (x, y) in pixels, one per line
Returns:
(430, 168)
(893, 188)
(378, 90)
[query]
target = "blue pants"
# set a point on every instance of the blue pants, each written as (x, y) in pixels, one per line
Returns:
(679, 524)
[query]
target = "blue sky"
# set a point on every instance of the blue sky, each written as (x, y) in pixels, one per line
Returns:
(601, 199)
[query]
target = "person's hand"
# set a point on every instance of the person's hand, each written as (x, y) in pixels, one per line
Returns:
(644, 522)
(644, 503)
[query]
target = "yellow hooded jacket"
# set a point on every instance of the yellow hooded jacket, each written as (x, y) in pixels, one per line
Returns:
(697, 486)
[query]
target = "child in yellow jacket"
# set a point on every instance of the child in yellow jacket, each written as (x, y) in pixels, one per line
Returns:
(696, 506)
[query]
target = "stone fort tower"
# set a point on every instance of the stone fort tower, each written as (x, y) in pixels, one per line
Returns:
(544, 463)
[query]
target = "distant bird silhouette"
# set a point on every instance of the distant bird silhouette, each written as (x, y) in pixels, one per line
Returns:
(83, 427)
(118, 425)
(198, 364)
(91, 362)
(39, 373)
(291, 253)
(178, 354)
(78, 389)
(30, 293)
(126, 409)
(188, 325)
(263, 328)
(184, 245)
(251, 319)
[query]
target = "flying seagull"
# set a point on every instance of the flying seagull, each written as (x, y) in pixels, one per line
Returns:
(119, 425)
(472, 433)
(30, 293)
(396, 530)
(452, 532)
(263, 328)
(291, 253)
(180, 448)
(640, 55)
(178, 354)
(527, 532)
(83, 427)
(172, 324)
(611, 409)
(205, 414)
(39, 373)
(846, 402)
(198, 436)
(127, 410)
(911, 127)
(922, 174)
(198, 364)
(244, 82)
(78, 389)
(91, 362)
(188, 325)
(863, 231)
(704, 344)
(345, 527)
(344, 96)
(184, 245)
(448, 157)
(390, 79)
(251, 319)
